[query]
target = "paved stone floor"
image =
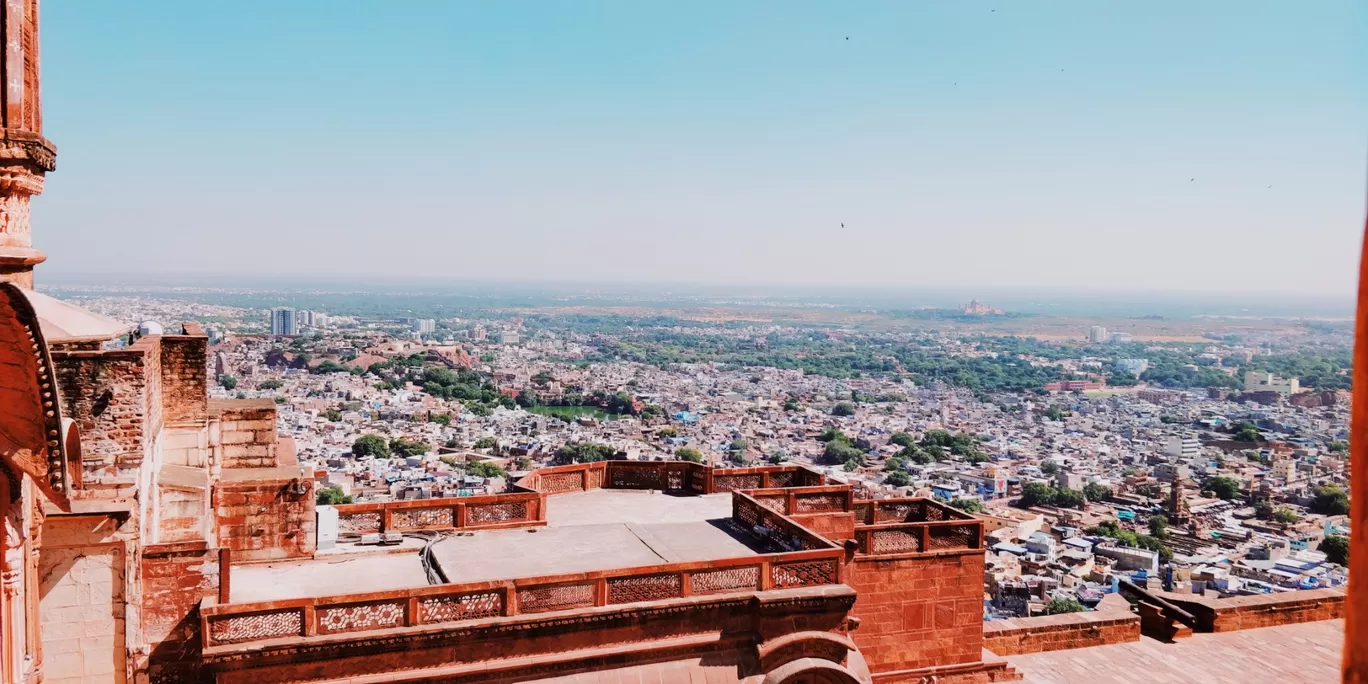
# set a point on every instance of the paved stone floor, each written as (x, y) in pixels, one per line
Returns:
(1307, 652)
(598, 506)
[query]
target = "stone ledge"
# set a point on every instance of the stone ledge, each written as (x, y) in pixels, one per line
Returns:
(1060, 632)
(1249, 612)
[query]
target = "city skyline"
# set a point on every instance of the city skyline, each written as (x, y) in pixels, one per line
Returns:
(1174, 149)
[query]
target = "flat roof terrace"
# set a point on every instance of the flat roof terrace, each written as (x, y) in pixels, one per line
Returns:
(600, 529)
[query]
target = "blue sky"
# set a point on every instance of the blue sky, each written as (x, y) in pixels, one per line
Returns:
(1069, 145)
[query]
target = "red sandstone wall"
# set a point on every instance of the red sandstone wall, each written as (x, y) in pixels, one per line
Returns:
(920, 611)
(1250, 612)
(247, 433)
(1058, 632)
(175, 578)
(263, 520)
(837, 527)
(106, 393)
(184, 376)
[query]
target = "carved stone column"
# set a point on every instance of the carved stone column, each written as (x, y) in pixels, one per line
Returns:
(25, 155)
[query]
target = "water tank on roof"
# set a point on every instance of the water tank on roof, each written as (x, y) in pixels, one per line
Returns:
(149, 328)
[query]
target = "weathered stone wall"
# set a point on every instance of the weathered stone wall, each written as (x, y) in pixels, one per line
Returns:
(176, 578)
(1059, 632)
(185, 375)
(106, 394)
(247, 433)
(261, 519)
(1250, 612)
(918, 611)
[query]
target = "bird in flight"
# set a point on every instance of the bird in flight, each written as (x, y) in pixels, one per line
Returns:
(843, 225)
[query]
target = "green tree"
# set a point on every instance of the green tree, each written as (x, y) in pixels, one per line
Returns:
(1096, 492)
(790, 405)
(228, 382)
(667, 432)
(738, 445)
(269, 384)
(1069, 498)
(440, 418)
(485, 469)
(1336, 549)
(526, 398)
(371, 446)
(1244, 432)
(1223, 487)
(584, 452)
(1285, 515)
(1036, 494)
(898, 478)
(328, 366)
(1339, 446)
(403, 447)
(331, 496)
(689, 454)
(651, 412)
(1064, 604)
(333, 415)
(901, 439)
(737, 458)
(1329, 500)
(1263, 510)
(968, 505)
(486, 442)
(843, 408)
(1049, 468)
(839, 452)
(1158, 526)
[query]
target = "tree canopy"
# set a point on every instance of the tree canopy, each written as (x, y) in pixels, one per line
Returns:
(371, 446)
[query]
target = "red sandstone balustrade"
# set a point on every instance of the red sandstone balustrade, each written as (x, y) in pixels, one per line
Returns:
(679, 476)
(805, 500)
(905, 509)
(772, 525)
(919, 537)
(485, 512)
(226, 624)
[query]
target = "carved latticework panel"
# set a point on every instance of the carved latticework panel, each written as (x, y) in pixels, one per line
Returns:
(648, 588)
(360, 617)
(543, 599)
(358, 523)
(894, 541)
(804, 574)
(932, 513)
(237, 628)
(891, 513)
(819, 503)
(562, 482)
(748, 513)
(464, 607)
(485, 514)
(731, 483)
(596, 479)
(727, 579)
(422, 518)
(637, 478)
(674, 480)
(956, 537)
(779, 480)
(774, 503)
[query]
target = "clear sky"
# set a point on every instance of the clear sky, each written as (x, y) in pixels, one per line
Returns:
(1203, 146)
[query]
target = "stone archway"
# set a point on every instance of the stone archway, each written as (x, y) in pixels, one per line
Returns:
(812, 671)
(32, 436)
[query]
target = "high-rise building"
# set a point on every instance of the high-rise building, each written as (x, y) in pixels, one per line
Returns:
(1133, 366)
(1097, 334)
(509, 337)
(284, 322)
(424, 326)
(479, 333)
(1268, 382)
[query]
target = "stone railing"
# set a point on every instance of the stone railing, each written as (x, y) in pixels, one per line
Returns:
(805, 500)
(669, 476)
(773, 527)
(922, 537)
(242, 623)
(527, 509)
(1112, 623)
(905, 510)
(1265, 610)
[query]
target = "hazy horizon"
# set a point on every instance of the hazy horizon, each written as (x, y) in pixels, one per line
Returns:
(1216, 149)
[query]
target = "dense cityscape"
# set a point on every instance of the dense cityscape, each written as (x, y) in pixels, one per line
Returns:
(1216, 465)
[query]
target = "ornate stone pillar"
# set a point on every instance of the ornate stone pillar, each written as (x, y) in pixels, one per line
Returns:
(25, 155)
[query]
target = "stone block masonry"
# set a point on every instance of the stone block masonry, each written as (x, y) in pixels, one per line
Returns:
(919, 611)
(175, 578)
(246, 433)
(185, 375)
(263, 518)
(1059, 632)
